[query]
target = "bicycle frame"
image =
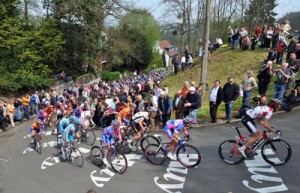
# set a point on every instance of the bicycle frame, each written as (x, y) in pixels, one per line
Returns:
(240, 139)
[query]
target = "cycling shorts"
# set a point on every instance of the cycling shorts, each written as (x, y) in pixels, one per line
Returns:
(169, 133)
(125, 122)
(59, 116)
(108, 139)
(37, 131)
(249, 124)
(135, 126)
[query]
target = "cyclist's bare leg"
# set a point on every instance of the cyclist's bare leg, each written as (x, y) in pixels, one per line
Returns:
(255, 137)
(137, 136)
(106, 150)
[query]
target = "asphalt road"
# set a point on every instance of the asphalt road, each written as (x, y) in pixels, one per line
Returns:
(23, 170)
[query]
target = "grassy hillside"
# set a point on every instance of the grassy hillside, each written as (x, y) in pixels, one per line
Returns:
(224, 63)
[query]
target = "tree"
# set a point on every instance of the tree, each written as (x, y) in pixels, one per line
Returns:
(133, 40)
(260, 12)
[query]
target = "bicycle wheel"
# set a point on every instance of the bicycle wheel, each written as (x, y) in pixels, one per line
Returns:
(118, 162)
(276, 152)
(154, 154)
(229, 153)
(148, 140)
(38, 147)
(89, 137)
(188, 156)
(96, 156)
(76, 157)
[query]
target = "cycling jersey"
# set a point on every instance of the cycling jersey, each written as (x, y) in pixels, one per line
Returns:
(108, 133)
(63, 124)
(256, 113)
(48, 110)
(37, 128)
(260, 112)
(124, 116)
(137, 118)
(70, 129)
(173, 126)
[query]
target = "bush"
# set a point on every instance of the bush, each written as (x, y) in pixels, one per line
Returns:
(108, 76)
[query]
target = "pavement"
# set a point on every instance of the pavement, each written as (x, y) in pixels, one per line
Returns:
(24, 170)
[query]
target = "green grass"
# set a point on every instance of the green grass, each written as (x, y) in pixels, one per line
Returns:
(223, 63)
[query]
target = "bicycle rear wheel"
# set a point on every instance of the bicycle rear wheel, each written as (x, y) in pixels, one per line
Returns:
(154, 154)
(188, 156)
(96, 156)
(276, 152)
(229, 153)
(118, 162)
(89, 137)
(148, 140)
(76, 157)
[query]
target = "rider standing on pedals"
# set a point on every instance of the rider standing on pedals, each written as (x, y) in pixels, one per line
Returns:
(108, 137)
(172, 129)
(138, 121)
(263, 114)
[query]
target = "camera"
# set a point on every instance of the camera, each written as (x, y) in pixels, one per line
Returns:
(256, 99)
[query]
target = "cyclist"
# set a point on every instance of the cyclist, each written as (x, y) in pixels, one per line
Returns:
(263, 114)
(108, 137)
(36, 129)
(172, 129)
(49, 111)
(86, 118)
(125, 114)
(139, 120)
(63, 124)
(68, 133)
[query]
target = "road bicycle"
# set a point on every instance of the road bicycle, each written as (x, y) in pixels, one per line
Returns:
(139, 145)
(71, 154)
(117, 160)
(37, 143)
(87, 135)
(274, 150)
(186, 154)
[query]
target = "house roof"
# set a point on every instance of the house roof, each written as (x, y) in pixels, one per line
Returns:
(166, 46)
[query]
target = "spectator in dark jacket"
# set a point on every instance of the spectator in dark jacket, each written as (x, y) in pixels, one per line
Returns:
(178, 105)
(192, 103)
(164, 107)
(215, 99)
(231, 92)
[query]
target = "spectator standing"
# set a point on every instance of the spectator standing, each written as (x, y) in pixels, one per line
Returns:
(175, 62)
(297, 51)
(291, 47)
(215, 99)
(281, 46)
(267, 41)
(157, 90)
(283, 74)
(285, 27)
(25, 103)
(248, 84)
(151, 83)
(229, 34)
(264, 77)
(3, 120)
(245, 42)
(164, 107)
(178, 105)
(235, 40)
(275, 37)
(254, 40)
(10, 112)
(154, 121)
(231, 92)
(192, 103)
(183, 61)
(185, 89)
(243, 33)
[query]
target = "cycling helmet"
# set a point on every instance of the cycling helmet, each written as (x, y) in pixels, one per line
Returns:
(39, 121)
(275, 104)
(76, 121)
(72, 118)
(151, 109)
(188, 120)
(115, 123)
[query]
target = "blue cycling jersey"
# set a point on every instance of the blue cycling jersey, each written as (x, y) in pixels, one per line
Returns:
(63, 124)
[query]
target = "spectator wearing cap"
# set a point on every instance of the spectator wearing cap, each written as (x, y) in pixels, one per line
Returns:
(215, 99)
(178, 105)
(164, 107)
(192, 103)
(248, 84)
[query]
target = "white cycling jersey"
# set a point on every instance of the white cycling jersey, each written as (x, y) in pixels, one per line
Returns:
(260, 112)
